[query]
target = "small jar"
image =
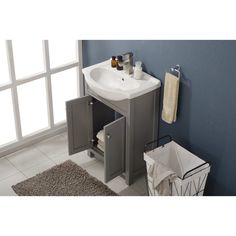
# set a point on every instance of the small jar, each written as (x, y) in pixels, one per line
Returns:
(113, 61)
(138, 70)
(119, 64)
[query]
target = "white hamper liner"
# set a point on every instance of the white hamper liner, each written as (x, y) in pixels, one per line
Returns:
(192, 171)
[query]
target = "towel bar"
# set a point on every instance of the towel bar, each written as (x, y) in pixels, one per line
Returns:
(176, 68)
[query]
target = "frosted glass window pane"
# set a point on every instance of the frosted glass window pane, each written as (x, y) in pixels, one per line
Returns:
(4, 73)
(28, 57)
(64, 88)
(7, 123)
(33, 106)
(61, 52)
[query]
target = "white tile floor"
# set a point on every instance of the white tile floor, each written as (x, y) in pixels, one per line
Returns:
(39, 157)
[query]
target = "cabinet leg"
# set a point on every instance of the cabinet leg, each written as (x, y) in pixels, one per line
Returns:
(128, 179)
(90, 154)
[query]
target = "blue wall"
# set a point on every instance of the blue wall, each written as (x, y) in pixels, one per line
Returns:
(206, 122)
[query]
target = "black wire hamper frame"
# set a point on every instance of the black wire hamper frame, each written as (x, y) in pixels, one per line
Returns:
(198, 189)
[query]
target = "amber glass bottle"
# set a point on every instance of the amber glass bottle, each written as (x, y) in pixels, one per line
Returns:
(113, 61)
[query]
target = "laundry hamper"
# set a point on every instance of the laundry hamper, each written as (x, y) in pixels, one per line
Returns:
(191, 171)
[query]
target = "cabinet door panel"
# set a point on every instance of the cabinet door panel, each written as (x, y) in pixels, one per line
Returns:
(79, 122)
(114, 148)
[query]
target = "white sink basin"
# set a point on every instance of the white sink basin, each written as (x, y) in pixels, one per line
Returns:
(115, 85)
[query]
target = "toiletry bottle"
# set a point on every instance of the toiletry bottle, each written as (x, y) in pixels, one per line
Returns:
(113, 61)
(119, 65)
(138, 70)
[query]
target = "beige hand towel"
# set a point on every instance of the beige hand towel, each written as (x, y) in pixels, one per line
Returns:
(170, 99)
(100, 147)
(101, 143)
(100, 135)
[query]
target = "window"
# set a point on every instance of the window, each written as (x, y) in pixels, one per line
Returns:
(7, 125)
(4, 75)
(28, 57)
(61, 52)
(59, 95)
(33, 106)
(36, 79)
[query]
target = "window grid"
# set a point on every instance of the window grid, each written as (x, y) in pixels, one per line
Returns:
(14, 91)
(48, 85)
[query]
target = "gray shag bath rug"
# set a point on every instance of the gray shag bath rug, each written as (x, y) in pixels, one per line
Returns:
(66, 179)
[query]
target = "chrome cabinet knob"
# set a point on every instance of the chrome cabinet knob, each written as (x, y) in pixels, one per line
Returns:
(108, 136)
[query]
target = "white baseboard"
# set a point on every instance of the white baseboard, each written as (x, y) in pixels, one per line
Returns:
(13, 147)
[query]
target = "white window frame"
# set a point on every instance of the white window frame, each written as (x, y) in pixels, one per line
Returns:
(53, 128)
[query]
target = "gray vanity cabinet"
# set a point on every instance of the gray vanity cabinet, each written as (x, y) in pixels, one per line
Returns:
(79, 122)
(81, 136)
(128, 125)
(114, 153)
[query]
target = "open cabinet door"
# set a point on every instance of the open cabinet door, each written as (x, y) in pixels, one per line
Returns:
(114, 149)
(79, 124)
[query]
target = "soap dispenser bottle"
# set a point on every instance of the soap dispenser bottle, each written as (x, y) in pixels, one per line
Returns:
(138, 70)
(119, 65)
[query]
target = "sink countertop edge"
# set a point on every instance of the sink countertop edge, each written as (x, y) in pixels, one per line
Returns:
(106, 64)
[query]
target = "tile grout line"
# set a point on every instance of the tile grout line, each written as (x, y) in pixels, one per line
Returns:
(86, 164)
(40, 151)
(63, 135)
(139, 194)
(10, 175)
(15, 167)
(50, 159)
(46, 153)
(35, 166)
(56, 156)
(21, 171)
